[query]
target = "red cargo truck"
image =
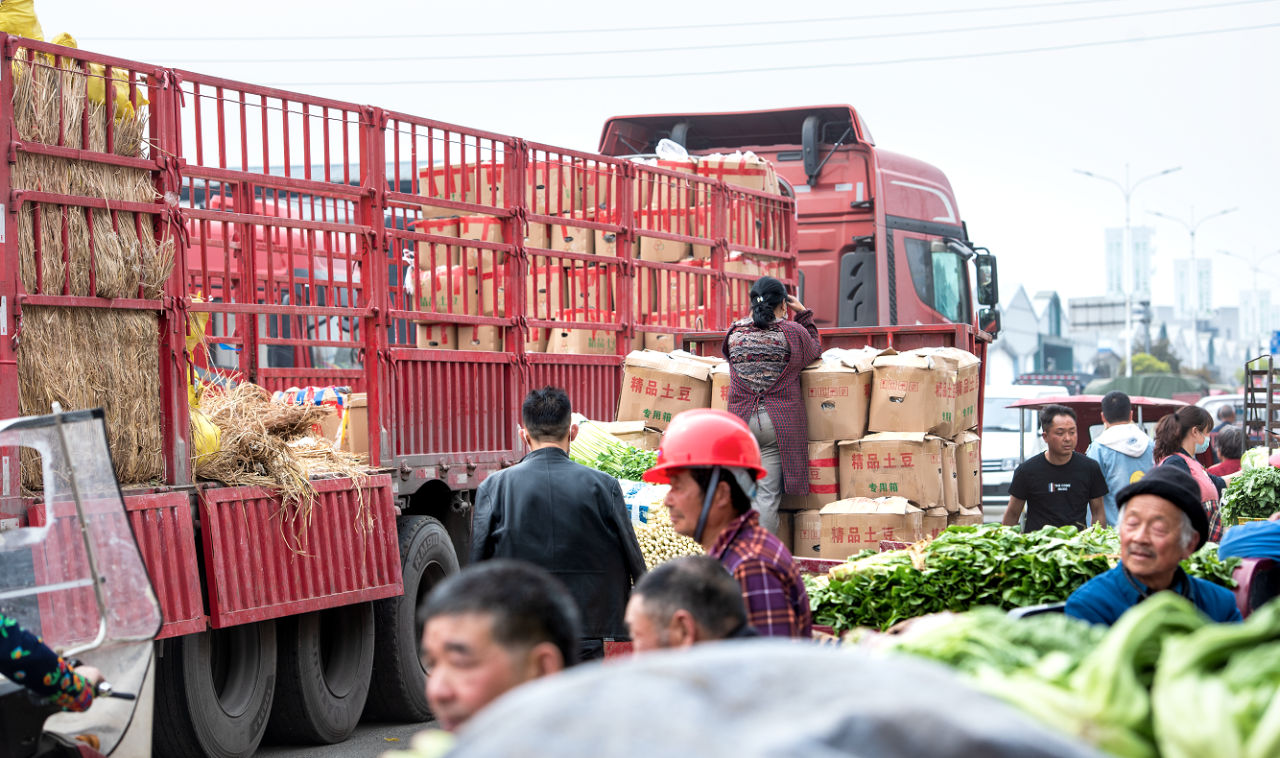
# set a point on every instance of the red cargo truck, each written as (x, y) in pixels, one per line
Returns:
(881, 241)
(309, 231)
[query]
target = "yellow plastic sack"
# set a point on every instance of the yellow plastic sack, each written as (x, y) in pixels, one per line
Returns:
(97, 82)
(206, 437)
(19, 17)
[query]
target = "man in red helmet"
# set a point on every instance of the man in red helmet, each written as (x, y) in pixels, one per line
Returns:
(712, 461)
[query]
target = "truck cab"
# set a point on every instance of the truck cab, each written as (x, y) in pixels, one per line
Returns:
(881, 239)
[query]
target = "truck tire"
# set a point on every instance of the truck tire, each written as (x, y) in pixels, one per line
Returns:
(398, 692)
(325, 659)
(214, 692)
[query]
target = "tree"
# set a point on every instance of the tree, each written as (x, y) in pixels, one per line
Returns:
(1146, 363)
(1162, 352)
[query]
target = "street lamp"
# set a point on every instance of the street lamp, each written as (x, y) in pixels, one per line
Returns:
(1127, 256)
(1191, 227)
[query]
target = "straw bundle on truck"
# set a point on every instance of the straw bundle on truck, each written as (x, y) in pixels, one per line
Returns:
(88, 357)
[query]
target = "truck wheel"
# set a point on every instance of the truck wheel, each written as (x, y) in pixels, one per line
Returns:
(325, 660)
(399, 689)
(214, 692)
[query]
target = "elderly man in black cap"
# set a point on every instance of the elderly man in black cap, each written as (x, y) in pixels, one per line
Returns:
(1161, 523)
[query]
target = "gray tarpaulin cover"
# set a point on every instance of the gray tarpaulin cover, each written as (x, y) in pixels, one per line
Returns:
(757, 698)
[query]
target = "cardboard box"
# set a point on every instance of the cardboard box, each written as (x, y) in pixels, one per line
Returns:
(741, 263)
(634, 433)
(837, 394)
(786, 528)
(538, 235)
(449, 289)
(544, 296)
(856, 524)
(660, 342)
(572, 239)
(476, 337)
(468, 183)
(824, 478)
(966, 517)
(358, 423)
(741, 170)
(663, 251)
(437, 336)
(969, 470)
(584, 341)
(964, 390)
(950, 481)
(893, 464)
(918, 391)
(588, 286)
(481, 229)
(656, 387)
(934, 522)
(806, 527)
(537, 340)
(660, 191)
(720, 379)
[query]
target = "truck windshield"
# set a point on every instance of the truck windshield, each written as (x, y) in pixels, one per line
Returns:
(939, 279)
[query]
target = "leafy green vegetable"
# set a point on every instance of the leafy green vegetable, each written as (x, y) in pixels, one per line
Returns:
(1252, 494)
(625, 462)
(970, 566)
(1215, 690)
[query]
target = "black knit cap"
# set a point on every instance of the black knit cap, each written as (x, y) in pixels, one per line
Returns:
(1176, 486)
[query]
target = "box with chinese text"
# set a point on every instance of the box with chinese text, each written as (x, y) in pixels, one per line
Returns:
(837, 394)
(807, 530)
(856, 524)
(824, 479)
(893, 464)
(658, 386)
(720, 386)
(932, 390)
(934, 522)
(969, 469)
(950, 480)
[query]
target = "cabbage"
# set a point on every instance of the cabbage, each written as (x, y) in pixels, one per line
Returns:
(1255, 458)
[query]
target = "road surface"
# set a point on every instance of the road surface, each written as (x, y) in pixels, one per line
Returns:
(370, 740)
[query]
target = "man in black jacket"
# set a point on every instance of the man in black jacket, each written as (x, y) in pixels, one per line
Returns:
(567, 518)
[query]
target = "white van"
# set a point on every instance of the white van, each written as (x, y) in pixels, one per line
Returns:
(1000, 440)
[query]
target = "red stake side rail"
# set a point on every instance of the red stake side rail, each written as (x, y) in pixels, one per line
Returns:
(309, 239)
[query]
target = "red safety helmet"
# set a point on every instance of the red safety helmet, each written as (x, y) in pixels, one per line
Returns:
(703, 438)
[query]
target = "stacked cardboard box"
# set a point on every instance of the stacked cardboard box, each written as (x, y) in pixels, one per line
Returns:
(890, 446)
(861, 523)
(658, 386)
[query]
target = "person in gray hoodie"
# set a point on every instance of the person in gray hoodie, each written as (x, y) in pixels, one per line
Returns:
(1123, 450)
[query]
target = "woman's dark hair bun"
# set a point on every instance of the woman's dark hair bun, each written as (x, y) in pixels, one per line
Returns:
(766, 295)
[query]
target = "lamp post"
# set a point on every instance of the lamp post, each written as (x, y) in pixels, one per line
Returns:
(1126, 255)
(1191, 227)
(1255, 264)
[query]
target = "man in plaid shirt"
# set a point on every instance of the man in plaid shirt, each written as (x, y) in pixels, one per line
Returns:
(711, 460)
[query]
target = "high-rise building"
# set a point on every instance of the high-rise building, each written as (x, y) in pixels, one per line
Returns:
(1182, 304)
(1255, 317)
(1141, 240)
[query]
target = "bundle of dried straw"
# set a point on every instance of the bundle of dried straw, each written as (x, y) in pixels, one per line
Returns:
(271, 445)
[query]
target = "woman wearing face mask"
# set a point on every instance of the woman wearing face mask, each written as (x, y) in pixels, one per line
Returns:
(1180, 437)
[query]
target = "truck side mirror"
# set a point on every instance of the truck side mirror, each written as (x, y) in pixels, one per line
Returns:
(809, 146)
(988, 279)
(989, 321)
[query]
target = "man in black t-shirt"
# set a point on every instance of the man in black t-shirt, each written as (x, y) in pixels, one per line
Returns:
(1057, 484)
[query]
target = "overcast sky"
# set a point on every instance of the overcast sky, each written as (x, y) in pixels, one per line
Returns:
(1006, 129)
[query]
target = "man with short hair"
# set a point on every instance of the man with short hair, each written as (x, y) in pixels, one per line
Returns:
(1162, 522)
(1123, 451)
(711, 460)
(564, 517)
(486, 631)
(1058, 485)
(684, 602)
(1226, 417)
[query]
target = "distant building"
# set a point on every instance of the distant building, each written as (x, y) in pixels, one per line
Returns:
(1182, 305)
(1142, 253)
(1031, 338)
